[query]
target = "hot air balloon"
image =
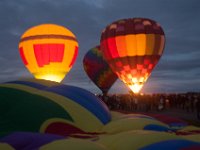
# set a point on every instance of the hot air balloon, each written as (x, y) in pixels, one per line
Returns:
(132, 47)
(48, 51)
(98, 70)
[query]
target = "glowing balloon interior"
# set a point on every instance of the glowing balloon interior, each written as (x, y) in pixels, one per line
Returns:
(48, 51)
(132, 48)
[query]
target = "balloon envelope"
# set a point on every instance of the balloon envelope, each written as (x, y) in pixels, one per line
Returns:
(132, 48)
(56, 108)
(48, 51)
(98, 70)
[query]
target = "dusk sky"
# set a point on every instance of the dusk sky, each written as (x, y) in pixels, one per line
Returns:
(177, 71)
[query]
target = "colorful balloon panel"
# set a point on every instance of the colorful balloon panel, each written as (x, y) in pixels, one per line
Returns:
(6, 146)
(125, 131)
(170, 120)
(75, 94)
(25, 111)
(48, 51)
(173, 144)
(72, 117)
(134, 123)
(132, 48)
(134, 139)
(98, 70)
(73, 144)
(28, 140)
(143, 140)
(85, 99)
(57, 106)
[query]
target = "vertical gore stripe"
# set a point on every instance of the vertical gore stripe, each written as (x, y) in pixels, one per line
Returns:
(74, 57)
(23, 56)
(46, 53)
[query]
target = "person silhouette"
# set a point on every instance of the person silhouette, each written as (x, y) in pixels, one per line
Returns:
(198, 108)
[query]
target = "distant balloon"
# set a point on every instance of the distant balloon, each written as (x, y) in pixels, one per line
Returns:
(48, 51)
(132, 48)
(98, 70)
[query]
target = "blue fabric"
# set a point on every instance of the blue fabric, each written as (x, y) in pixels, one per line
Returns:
(155, 127)
(177, 124)
(29, 140)
(32, 84)
(132, 116)
(85, 99)
(171, 145)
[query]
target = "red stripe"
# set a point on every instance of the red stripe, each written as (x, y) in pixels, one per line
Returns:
(53, 53)
(65, 129)
(112, 47)
(21, 51)
(46, 53)
(38, 55)
(74, 57)
(60, 52)
(132, 26)
(61, 128)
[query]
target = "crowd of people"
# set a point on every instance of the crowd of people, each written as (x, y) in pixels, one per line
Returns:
(190, 102)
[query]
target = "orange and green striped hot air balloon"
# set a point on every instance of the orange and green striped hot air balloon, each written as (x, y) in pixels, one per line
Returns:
(48, 51)
(132, 47)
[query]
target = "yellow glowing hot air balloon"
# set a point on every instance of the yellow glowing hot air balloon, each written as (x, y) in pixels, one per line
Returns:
(48, 51)
(132, 48)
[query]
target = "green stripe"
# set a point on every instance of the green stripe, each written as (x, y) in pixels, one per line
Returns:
(23, 111)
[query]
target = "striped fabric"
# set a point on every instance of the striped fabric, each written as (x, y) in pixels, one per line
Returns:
(98, 70)
(132, 48)
(48, 51)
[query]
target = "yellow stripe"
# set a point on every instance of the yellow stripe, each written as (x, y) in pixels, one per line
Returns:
(131, 45)
(141, 44)
(138, 44)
